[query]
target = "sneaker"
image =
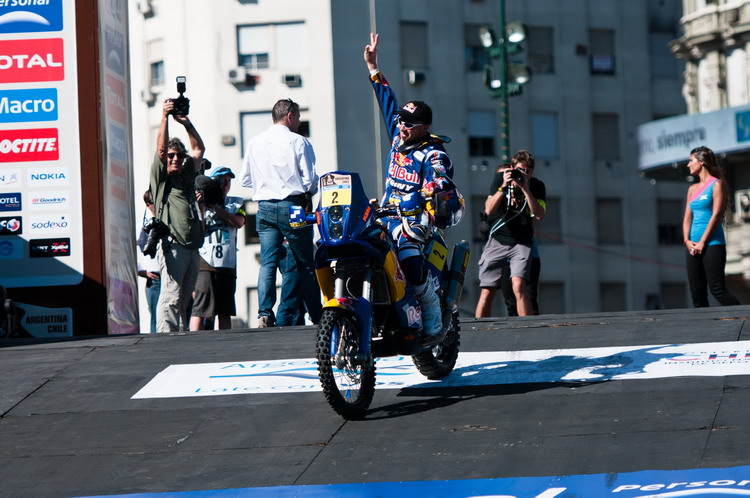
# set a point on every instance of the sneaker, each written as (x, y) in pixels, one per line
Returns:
(265, 322)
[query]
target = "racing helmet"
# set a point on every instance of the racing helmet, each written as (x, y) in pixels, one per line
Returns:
(447, 206)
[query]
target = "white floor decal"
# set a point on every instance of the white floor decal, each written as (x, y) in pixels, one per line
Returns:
(472, 369)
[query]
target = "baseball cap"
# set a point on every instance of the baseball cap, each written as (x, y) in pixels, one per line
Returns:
(220, 171)
(416, 111)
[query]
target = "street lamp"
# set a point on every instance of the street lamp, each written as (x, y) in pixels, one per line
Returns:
(511, 76)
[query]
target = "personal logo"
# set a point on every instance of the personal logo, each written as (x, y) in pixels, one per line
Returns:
(29, 145)
(48, 177)
(10, 202)
(31, 60)
(49, 224)
(114, 47)
(49, 248)
(31, 16)
(30, 105)
(11, 226)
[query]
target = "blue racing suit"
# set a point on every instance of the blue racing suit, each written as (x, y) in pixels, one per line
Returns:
(411, 167)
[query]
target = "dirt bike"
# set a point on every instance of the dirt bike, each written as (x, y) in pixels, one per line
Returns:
(369, 309)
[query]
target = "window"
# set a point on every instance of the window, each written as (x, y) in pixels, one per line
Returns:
(414, 45)
(280, 46)
(252, 123)
(156, 71)
(482, 130)
(540, 46)
(544, 135)
(673, 295)
(612, 296)
(669, 215)
(549, 230)
(663, 62)
(606, 135)
(476, 55)
(551, 298)
(602, 43)
(609, 221)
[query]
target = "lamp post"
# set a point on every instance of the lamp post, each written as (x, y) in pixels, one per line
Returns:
(511, 75)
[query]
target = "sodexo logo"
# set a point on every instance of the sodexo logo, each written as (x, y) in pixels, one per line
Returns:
(47, 177)
(10, 202)
(30, 16)
(29, 145)
(48, 224)
(11, 226)
(18, 106)
(31, 60)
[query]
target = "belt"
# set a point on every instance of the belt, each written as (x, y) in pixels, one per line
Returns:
(299, 198)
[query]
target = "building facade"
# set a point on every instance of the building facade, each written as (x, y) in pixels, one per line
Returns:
(611, 240)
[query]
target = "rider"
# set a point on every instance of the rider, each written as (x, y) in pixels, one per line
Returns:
(417, 161)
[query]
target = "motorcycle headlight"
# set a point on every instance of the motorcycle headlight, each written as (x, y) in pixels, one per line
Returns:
(336, 230)
(335, 213)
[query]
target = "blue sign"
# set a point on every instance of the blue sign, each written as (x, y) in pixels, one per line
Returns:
(30, 16)
(117, 143)
(114, 48)
(10, 202)
(29, 105)
(742, 121)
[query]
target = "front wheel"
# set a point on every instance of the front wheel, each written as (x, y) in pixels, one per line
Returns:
(347, 375)
(439, 361)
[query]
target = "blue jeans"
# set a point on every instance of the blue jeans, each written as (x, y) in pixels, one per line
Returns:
(272, 223)
(153, 289)
(291, 310)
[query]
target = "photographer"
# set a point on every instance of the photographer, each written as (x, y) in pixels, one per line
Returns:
(172, 177)
(217, 279)
(516, 200)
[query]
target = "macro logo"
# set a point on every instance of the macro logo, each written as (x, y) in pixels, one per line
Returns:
(30, 16)
(49, 248)
(10, 202)
(10, 249)
(31, 60)
(28, 145)
(49, 224)
(11, 226)
(47, 177)
(19, 106)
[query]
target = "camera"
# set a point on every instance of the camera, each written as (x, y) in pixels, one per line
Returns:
(181, 103)
(517, 175)
(211, 189)
(156, 230)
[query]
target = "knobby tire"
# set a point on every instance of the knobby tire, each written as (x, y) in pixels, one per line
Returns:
(439, 361)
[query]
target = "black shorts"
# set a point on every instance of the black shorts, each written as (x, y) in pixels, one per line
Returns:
(214, 294)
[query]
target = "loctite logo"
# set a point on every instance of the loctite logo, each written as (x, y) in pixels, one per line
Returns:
(31, 60)
(28, 145)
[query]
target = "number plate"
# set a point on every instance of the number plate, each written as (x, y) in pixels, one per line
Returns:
(438, 255)
(335, 190)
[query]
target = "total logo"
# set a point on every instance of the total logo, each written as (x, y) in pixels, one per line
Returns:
(38, 104)
(10, 202)
(30, 16)
(11, 226)
(31, 60)
(47, 177)
(29, 145)
(49, 224)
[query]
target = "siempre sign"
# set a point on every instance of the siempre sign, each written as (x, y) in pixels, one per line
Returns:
(23, 61)
(17, 106)
(28, 145)
(10, 202)
(30, 16)
(49, 248)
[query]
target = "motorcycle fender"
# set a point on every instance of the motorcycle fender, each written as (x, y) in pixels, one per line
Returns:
(362, 311)
(396, 280)
(325, 282)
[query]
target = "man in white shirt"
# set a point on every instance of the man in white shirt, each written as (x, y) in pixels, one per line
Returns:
(279, 166)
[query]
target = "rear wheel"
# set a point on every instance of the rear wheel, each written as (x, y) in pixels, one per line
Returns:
(439, 361)
(347, 375)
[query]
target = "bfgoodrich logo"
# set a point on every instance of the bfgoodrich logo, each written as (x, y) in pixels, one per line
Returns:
(10, 202)
(18, 106)
(49, 248)
(30, 16)
(49, 201)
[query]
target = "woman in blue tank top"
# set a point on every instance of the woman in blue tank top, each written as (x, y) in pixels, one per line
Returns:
(703, 232)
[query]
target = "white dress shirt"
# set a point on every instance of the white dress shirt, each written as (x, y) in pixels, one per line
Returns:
(279, 163)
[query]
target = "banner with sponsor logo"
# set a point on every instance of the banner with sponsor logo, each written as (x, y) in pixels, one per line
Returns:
(44, 323)
(119, 217)
(41, 240)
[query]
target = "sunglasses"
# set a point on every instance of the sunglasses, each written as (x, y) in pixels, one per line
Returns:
(172, 155)
(409, 126)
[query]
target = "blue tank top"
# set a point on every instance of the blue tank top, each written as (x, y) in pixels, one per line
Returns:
(702, 206)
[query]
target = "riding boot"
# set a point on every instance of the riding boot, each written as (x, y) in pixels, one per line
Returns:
(430, 305)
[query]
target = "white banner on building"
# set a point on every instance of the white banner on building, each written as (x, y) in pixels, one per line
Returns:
(715, 359)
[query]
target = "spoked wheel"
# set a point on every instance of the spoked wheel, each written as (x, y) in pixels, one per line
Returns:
(439, 361)
(347, 375)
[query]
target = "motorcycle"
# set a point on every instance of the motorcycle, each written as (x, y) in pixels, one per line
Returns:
(369, 309)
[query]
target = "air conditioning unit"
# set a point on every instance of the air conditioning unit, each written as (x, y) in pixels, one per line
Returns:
(292, 80)
(237, 75)
(415, 77)
(145, 8)
(742, 205)
(148, 97)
